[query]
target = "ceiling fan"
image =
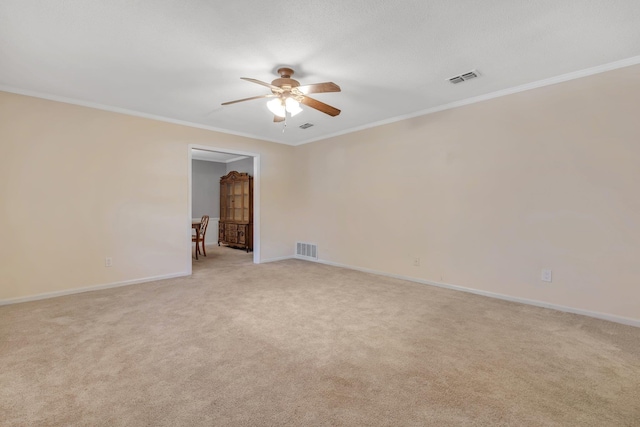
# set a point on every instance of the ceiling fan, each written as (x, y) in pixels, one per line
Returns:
(287, 95)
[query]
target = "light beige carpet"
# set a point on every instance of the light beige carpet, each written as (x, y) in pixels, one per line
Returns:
(295, 343)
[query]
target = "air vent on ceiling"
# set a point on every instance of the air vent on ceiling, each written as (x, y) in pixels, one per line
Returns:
(464, 77)
(306, 250)
(306, 125)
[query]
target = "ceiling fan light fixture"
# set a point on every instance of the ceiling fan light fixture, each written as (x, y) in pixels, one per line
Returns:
(287, 96)
(276, 106)
(292, 106)
(280, 107)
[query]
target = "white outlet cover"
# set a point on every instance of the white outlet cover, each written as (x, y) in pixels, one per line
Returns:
(546, 275)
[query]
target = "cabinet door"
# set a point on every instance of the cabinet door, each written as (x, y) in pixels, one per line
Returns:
(231, 233)
(221, 232)
(242, 234)
(237, 201)
(223, 202)
(229, 202)
(246, 202)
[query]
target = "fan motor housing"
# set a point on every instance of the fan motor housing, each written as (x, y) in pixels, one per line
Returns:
(285, 81)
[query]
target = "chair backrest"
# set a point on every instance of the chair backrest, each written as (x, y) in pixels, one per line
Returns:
(203, 224)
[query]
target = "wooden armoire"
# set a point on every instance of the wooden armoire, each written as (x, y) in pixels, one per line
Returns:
(236, 211)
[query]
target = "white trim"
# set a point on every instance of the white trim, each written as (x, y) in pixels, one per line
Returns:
(509, 91)
(231, 160)
(282, 258)
(595, 314)
(256, 209)
(55, 294)
(598, 315)
(128, 112)
(504, 92)
(189, 227)
(256, 194)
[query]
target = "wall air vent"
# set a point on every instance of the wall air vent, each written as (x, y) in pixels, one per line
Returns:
(306, 125)
(306, 250)
(464, 77)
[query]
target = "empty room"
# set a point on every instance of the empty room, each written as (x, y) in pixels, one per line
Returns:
(360, 213)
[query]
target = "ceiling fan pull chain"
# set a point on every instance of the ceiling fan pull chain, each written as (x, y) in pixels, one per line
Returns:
(284, 124)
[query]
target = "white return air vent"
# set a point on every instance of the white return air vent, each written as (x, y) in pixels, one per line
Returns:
(464, 77)
(306, 250)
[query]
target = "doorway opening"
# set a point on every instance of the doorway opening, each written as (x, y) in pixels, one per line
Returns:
(206, 166)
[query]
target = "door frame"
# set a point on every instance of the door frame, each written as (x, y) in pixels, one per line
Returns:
(256, 194)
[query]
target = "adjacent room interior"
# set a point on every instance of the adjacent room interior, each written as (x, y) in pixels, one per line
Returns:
(207, 170)
(434, 252)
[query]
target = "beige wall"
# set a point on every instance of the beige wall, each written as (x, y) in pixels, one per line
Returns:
(79, 184)
(485, 195)
(489, 194)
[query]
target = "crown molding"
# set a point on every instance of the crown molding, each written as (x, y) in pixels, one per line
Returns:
(35, 94)
(504, 92)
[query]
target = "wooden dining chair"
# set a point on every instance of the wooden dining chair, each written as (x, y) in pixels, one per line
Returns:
(203, 232)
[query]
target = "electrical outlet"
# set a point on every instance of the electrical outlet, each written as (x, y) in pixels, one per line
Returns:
(546, 275)
(108, 262)
(416, 262)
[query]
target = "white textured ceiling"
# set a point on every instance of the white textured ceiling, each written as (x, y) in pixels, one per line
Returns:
(180, 60)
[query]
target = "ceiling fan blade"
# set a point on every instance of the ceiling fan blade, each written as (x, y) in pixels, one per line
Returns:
(249, 99)
(277, 119)
(320, 106)
(269, 85)
(319, 88)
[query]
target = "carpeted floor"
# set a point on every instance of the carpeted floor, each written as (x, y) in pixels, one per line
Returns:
(294, 343)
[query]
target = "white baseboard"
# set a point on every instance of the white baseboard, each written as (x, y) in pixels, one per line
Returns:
(90, 288)
(282, 258)
(604, 316)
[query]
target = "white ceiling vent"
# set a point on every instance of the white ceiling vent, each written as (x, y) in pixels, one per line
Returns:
(306, 125)
(464, 77)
